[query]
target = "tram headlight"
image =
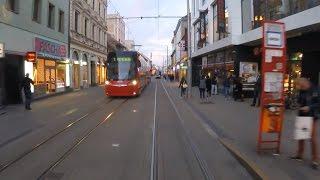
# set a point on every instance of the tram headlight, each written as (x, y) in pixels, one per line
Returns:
(107, 82)
(134, 82)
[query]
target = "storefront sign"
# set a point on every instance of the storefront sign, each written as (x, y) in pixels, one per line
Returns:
(31, 56)
(1, 50)
(248, 72)
(272, 91)
(45, 47)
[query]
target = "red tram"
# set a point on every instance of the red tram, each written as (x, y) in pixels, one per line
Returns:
(128, 73)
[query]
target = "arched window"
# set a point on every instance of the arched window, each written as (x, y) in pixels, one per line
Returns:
(75, 56)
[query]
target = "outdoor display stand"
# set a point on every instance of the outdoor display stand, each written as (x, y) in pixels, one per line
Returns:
(272, 92)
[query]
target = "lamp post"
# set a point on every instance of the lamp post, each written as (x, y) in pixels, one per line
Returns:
(189, 75)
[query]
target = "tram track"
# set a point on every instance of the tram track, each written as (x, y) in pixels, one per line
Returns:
(190, 142)
(21, 156)
(79, 142)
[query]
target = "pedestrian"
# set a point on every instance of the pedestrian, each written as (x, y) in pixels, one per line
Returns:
(238, 89)
(26, 85)
(208, 86)
(214, 86)
(257, 91)
(308, 100)
(227, 85)
(202, 87)
(183, 87)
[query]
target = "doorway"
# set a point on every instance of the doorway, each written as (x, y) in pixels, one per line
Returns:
(51, 79)
(76, 77)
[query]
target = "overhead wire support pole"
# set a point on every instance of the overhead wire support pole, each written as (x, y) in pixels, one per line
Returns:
(189, 74)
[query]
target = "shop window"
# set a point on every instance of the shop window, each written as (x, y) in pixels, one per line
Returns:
(36, 11)
(61, 75)
(51, 14)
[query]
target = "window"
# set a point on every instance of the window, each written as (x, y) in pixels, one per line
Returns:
(99, 9)
(86, 27)
(204, 2)
(36, 10)
(99, 36)
(215, 23)
(203, 29)
(76, 21)
(93, 4)
(61, 21)
(105, 38)
(51, 16)
(197, 35)
(12, 5)
(93, 34)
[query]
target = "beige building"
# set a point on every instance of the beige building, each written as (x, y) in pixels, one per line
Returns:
(88, 49)
(116, 28)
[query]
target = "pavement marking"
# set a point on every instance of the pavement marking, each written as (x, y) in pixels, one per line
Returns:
(115, 145)
(152, 168)
(71, 111)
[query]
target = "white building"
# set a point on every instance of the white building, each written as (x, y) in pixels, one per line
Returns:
(88, 32)
(227, 34)
(39, 26)
(179, 45)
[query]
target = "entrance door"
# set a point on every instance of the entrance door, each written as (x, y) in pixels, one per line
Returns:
(76, 76)
(93, 72)
(51, 79)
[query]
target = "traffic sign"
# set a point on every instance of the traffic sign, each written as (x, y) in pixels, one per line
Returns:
(1, 50)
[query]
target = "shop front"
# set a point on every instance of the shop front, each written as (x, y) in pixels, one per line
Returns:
(75, 70)
(84, 71)
(50, 70)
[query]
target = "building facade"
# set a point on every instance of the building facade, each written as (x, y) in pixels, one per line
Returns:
(117, 28)
(39, 26)
(179, 53)
(226, 37)
(88, 38)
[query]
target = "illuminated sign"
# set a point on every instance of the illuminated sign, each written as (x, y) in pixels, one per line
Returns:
(31, 56)
(46, 47)
(124, 59)
(1, 50)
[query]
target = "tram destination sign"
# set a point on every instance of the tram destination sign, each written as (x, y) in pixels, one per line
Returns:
(274, 35)
(1, 50)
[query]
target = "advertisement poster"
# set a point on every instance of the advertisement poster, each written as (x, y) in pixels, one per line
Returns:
(249, 72)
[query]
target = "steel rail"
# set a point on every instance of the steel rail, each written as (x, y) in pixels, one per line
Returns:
(79, 142)
(37, 146)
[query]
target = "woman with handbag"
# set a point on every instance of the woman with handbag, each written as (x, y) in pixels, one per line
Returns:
(183, 87)
(309, 107)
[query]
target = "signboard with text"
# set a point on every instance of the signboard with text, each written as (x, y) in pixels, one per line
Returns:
(48, 48)
(272, 91)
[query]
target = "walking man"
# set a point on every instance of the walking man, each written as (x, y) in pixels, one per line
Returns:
(26, 85)
(214, 86)
(208, 86)
(227, 85)
(257, 91)
(309, 107)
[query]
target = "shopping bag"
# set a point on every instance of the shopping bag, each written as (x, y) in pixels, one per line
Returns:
(185, 85)
(303, 128)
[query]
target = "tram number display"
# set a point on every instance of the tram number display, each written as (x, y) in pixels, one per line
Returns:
(124, 59)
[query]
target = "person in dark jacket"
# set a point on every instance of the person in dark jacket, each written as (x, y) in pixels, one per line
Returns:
(208, 86)
(257, 91)
(183, 86)
(202, 87)
(214, 86)
(227, 86)
(309, 100)
(238, 89)
(26, 85)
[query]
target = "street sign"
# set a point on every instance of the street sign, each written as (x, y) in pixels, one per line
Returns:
(1, 50)
(272, 91)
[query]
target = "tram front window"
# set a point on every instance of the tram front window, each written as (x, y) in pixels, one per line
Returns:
(121, 68)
